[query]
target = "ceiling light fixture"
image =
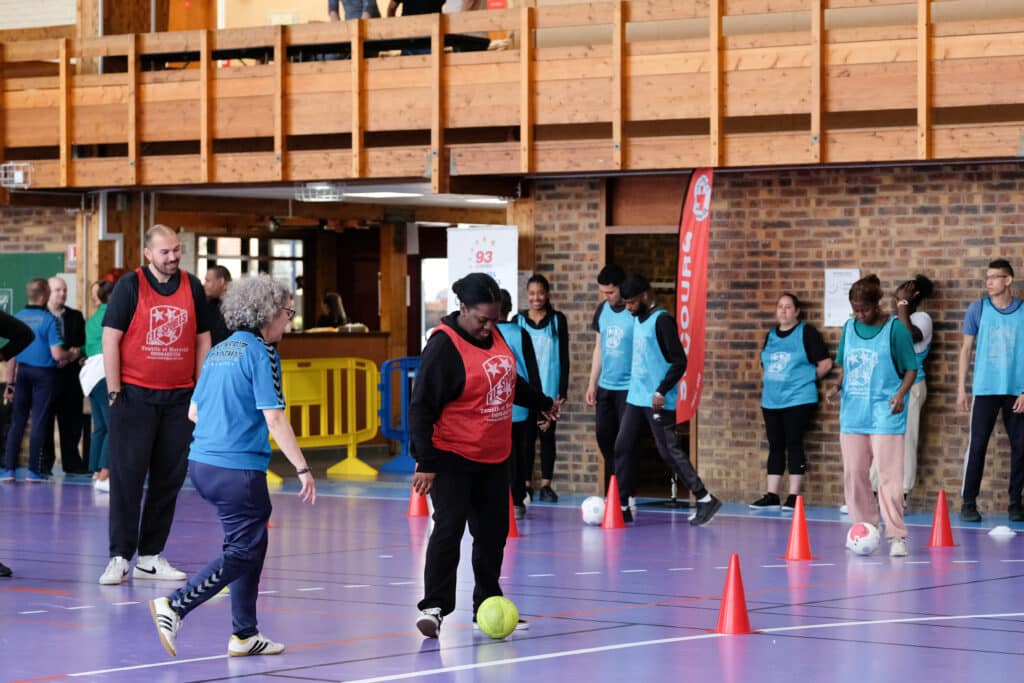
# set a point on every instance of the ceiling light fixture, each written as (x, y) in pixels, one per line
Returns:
(320, 191)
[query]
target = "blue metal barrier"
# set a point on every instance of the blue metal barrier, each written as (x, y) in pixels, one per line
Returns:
(406, 368)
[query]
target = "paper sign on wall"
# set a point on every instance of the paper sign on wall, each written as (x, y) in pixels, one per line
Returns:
(837, 295)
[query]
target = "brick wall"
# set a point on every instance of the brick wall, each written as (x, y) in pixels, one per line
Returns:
(28, 229)
(569, 252)
(779, 230)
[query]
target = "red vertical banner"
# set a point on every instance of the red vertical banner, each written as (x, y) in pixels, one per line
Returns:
(692, 288)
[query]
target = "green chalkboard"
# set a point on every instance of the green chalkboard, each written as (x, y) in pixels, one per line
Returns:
(17, 269)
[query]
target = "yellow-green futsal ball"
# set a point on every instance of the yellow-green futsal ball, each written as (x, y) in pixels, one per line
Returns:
(497, 616)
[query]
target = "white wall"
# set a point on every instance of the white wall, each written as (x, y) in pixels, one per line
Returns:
(16, 14)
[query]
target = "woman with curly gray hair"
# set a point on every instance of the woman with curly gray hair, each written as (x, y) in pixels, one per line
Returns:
(237, 404)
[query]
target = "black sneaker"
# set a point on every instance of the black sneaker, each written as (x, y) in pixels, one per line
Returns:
(790, 503)
(519, 511)
(627, 514)
(5, 571)
(705, 511)
(547, 495)
(769, 501)
(1016, 512)
(969, 513)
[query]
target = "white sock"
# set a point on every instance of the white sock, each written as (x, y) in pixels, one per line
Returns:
(705, 499)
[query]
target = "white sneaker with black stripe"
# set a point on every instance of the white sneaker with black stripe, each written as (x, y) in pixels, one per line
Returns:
(115, 573)
(253, 645)
(167, 623)
(156, 567)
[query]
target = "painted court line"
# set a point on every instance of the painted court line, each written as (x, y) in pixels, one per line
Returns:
(633, 571)
(681, 569)
(126, 602)
(586, 573)
(534, 576)
(401, 583)
(303, 590)
(664, 641)
(34, 611)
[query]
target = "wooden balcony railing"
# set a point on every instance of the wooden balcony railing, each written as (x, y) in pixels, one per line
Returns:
(637, 88)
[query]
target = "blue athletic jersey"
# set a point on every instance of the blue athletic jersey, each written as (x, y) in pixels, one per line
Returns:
(870, 379)
(789, 378)
(999, 357)
(545, 348)
(649, 365)
(241, 378)
(616, 331)
(45, 327)
(513, 335)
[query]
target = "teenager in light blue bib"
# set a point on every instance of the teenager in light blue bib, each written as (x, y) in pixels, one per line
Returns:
(877, 369)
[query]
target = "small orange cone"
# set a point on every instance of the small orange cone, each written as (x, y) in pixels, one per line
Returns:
(942, 534)
(417, 505)
(799, 548)
(732, 617)
(513, 528)
(612, 507)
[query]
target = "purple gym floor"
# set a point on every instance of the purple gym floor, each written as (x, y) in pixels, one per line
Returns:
(342, 580)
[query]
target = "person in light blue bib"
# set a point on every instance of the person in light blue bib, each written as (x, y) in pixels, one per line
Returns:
(997, 323)
(549, 332)
(610, 363)
(877, 367)
(794, 357)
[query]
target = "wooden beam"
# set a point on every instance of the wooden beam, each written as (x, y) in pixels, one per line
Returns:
(280, 127)
(438, 167)
(619, 101)
(357, 65)
(817, 73)
(924, 90)
(65, 112)
(5, 197)
(715, 89)
(521, 214)
(393, 274)
(133, 108)
(527, 46)
(205, 109)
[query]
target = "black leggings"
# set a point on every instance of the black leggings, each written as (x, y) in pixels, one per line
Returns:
(786, 428)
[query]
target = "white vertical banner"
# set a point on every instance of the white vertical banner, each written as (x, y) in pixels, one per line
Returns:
(490, 249)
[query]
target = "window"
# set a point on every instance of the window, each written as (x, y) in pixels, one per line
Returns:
(279, 258)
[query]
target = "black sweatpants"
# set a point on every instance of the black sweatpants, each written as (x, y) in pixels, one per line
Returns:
(984, 411)
(611, 406)
(547, 450)
(785, 428)
(664, 430)
(67, 414)
(477, 495)
(145, 438)
(520, 461)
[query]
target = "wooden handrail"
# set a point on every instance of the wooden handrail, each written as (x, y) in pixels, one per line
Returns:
(603, 86)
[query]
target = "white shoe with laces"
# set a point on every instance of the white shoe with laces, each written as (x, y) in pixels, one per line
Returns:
(101, 485)
(429, 622)
(258, 644)
(155, 567)
(167, 623)
(898, 547)
(115, 573)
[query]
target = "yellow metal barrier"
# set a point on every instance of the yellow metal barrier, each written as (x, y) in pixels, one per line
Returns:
(333, 402)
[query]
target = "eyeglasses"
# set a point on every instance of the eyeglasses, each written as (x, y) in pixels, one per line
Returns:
(290, 311)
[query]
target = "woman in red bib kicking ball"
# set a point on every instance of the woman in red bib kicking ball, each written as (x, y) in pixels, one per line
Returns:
(460, 421)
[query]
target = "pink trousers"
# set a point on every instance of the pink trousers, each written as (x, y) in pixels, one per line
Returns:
(886, 450)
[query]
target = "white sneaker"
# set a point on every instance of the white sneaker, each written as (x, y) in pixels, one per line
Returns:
(167, 623)
(101, 485)
(115, 572)
(157, 568)
(632, 505)
(429, 622)
(898, 547)
(258, 644)
(843, 510)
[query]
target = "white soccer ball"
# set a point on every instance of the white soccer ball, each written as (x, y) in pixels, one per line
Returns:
(862, 538)
(592, 510)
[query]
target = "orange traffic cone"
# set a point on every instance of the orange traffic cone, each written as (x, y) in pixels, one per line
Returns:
(799, 548)
(612, 507)
(513, 528)
(942, 534)
(417, 505)
(732, 616)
